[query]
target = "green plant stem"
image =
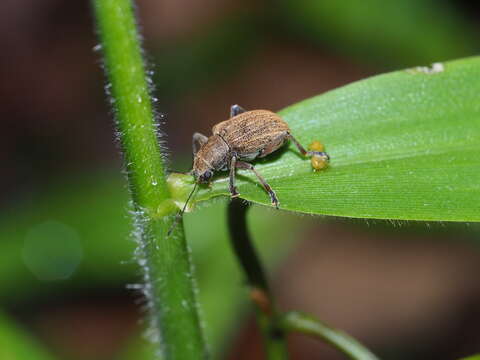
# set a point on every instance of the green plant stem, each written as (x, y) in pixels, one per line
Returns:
(273, 325)
(274, 337)
(306, 324)
(165, 259)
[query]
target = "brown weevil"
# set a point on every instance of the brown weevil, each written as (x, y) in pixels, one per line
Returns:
(244, 137)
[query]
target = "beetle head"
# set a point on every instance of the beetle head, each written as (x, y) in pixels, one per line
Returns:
(202, 170)
(211, 157)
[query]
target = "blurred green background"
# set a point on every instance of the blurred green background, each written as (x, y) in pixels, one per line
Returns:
(407, 290)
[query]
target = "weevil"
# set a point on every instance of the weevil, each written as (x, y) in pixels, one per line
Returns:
(245, 136)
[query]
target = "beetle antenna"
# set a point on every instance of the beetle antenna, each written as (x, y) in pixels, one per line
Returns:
(188, 199)
(180, 213)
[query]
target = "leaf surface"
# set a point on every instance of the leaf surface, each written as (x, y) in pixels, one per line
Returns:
(403, 145)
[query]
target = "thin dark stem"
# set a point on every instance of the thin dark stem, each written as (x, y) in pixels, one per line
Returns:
(260, 294)
(242, 245)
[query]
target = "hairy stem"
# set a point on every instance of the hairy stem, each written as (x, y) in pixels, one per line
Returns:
(164, 259)
(274, 336)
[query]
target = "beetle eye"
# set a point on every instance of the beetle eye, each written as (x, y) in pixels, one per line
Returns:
(206, 176)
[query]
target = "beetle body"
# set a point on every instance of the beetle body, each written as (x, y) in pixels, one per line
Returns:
(253, 133)
(244, 137)
(248, 135)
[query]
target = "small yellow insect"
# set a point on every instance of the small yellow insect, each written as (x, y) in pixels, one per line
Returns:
(318, 162)
(316, 146)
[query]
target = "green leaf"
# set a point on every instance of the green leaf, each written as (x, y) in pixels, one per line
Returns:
(403, 145)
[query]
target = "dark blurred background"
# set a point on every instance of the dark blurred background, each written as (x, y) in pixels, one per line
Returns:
(407, 290)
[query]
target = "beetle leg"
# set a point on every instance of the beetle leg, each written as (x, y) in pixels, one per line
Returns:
(247, 166)
(233, 189)
(235, 110)
(200, 138)
(305, 152)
